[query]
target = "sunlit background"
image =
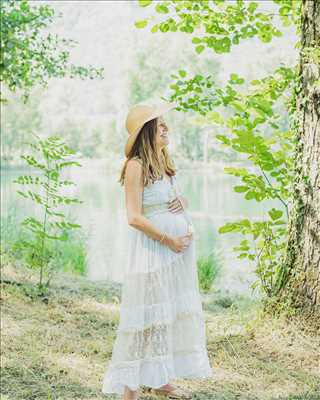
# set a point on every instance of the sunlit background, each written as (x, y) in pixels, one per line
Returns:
(91, 115)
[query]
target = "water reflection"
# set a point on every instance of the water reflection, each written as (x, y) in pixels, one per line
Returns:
(212, 202)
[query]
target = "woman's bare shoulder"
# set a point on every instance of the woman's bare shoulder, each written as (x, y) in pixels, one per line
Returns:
(134, 163)
(133, 170)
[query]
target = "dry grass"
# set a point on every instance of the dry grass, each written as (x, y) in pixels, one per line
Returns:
(59, 349)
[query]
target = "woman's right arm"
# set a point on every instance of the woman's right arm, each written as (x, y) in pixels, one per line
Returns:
(133, 193)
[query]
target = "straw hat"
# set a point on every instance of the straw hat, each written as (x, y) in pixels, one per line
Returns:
(139, 115)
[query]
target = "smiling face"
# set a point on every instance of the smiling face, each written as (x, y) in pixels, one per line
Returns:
(162, 138)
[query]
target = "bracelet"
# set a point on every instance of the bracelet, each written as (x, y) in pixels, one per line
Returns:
(162, 237)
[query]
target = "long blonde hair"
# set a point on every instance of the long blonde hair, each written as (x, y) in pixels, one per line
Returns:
(144, 149)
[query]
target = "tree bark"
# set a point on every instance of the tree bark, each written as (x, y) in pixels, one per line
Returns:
(302, 263)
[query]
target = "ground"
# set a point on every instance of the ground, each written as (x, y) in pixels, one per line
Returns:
(58, 347)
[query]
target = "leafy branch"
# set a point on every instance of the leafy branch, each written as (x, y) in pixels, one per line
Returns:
(51, 156)
(30, 57)
(219, 25)
(242, 116)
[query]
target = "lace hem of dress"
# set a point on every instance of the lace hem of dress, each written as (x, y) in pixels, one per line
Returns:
(156, 371)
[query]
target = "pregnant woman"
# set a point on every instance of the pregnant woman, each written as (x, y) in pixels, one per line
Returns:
(161, 333)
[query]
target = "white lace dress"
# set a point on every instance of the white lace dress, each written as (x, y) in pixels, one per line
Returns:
(161, 332)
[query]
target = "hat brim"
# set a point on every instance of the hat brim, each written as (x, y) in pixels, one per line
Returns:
(159, 110)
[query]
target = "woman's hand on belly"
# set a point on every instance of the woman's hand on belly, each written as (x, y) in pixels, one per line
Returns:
(176, 205)
(178, 243)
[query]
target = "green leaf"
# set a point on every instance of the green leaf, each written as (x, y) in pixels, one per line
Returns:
(162, 9)
(236, 171)
(255, 284)
(284, 10)
(235, 79)
(250, 195)
(155, 28)
(277, 33)
(229, 227)
(279, 222)
(22, 194)
(145, 3)
(235, 39)
(252, 7)
(243, 255)
(223, 139)
(223, 45)
(24, 6)
(141, 24)
(265, 36)
(200, 48)
(238, 106)
(255, 82)
(68, 164)
(196, 40)
(182, 73)
(240, 189)
(246, 223)
(275, 214)
(164, 27)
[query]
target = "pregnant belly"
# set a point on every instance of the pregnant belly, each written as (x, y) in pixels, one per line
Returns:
(175, 224)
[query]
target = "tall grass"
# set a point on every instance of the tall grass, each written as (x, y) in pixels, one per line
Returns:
(208, 268)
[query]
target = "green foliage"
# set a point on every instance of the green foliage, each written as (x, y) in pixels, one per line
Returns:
(249, 116)
(50, 157)
(224, 24)
(289, 11)
(264, 244)
(28, 55)
(252, 126)
(67, 256)
(208, 268)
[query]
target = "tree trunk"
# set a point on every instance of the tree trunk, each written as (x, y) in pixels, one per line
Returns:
(302, 264)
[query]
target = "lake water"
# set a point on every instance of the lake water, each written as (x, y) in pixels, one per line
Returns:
(212, 202)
